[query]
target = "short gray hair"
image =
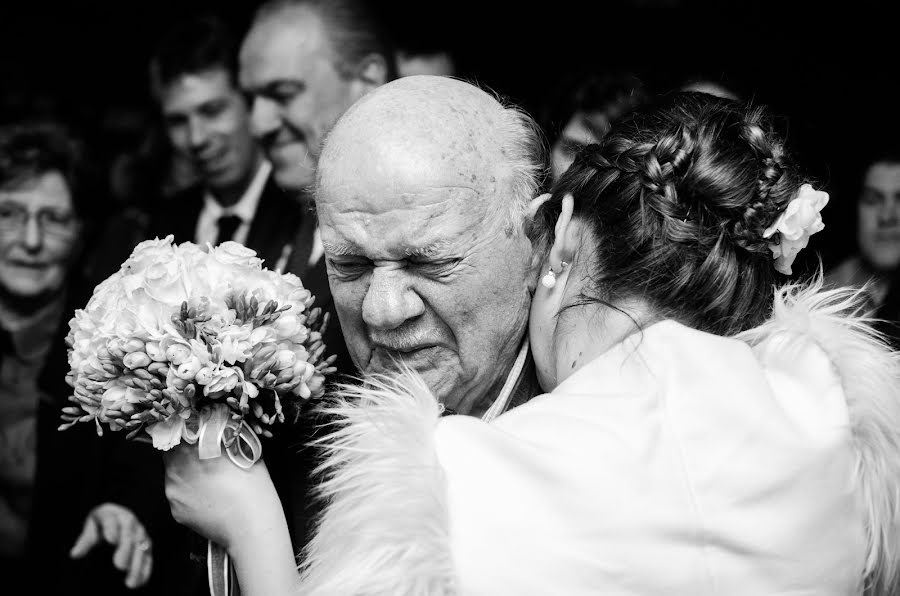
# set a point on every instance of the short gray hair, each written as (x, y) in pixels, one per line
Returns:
(522, 142)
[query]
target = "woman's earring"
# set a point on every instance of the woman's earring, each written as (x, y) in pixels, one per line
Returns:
(549, 280)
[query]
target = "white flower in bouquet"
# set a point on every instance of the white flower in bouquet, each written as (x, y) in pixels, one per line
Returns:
(180, 334)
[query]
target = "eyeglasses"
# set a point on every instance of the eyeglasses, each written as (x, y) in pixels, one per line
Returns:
(54, 222)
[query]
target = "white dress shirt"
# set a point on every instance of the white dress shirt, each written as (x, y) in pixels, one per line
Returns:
(207, 224)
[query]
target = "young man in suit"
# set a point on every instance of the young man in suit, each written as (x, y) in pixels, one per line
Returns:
(206, 119)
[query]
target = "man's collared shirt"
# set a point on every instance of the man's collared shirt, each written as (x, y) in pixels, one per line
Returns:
(207, 223)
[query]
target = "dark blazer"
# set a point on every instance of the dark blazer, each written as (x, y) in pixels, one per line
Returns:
(274, 225)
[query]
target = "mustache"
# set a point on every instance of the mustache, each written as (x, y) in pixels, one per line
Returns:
(402, 339)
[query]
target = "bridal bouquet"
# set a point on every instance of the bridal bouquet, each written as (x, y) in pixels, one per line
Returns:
(198, 345)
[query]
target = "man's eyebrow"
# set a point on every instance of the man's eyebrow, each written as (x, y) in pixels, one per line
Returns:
(341, 249)
(429, 250)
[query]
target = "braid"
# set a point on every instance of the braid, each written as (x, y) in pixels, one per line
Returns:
(664, 165)
(657, 165)
(771, 197)
(679, 197)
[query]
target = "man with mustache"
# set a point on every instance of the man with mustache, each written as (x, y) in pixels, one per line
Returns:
(425, 241)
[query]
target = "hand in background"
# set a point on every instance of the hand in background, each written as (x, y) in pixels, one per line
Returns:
(121, 528)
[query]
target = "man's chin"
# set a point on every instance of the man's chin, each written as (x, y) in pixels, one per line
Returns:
(432, 364)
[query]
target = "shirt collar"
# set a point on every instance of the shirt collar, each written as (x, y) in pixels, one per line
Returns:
(245, 208)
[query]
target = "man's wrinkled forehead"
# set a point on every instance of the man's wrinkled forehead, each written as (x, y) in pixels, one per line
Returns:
(346, 197)
(451, 118)
(400, 172)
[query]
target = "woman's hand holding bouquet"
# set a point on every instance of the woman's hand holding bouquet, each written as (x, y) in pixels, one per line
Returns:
(204, 347)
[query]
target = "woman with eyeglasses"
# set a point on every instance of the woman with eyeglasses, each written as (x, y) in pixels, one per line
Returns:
(58, 498)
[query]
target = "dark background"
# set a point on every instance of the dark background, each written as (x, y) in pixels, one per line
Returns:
(829, 70)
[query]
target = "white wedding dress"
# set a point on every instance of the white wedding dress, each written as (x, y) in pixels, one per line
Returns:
(678, 463)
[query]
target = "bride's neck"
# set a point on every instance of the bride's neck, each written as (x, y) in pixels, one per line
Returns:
(588, 331)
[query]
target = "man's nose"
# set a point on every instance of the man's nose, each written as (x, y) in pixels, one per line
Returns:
(264, 116)
(198, 134)
(390, 301)
(888, 212)
(33, 234)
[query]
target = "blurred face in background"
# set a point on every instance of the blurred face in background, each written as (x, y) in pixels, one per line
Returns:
(206, 120)
(878, 232)
(288, 67)
(581, 130)
(39, 234)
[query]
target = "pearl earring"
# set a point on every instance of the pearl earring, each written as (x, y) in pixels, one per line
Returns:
(549, 280)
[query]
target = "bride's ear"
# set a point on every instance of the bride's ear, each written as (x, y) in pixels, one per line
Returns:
(565, 241)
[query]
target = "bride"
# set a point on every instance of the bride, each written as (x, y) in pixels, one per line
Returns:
(706, 429)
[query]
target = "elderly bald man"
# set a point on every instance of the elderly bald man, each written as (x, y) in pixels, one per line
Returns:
(422, 188)
(421, 191)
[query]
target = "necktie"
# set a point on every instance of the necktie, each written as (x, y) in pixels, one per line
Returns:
(228, 225)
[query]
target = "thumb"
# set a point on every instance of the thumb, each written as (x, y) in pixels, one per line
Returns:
(88, 538)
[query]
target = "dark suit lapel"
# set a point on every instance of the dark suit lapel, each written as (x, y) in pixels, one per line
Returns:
(274, 225)
(179, 216)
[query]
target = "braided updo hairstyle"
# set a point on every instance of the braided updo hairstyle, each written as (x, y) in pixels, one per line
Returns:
(678, 197)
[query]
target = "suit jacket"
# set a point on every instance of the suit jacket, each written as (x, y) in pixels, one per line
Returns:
(274, 225)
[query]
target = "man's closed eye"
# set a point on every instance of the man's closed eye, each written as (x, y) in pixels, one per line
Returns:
(347, 269)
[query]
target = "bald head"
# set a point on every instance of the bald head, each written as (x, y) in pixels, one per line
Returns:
(453, 129)
(413, 185)
(443, 109)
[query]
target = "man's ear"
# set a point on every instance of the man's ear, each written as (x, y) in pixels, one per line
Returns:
(531, 211)
(535, 204)
(372, 72)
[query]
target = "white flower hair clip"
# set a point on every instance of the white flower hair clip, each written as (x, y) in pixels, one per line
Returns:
(799, 220)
